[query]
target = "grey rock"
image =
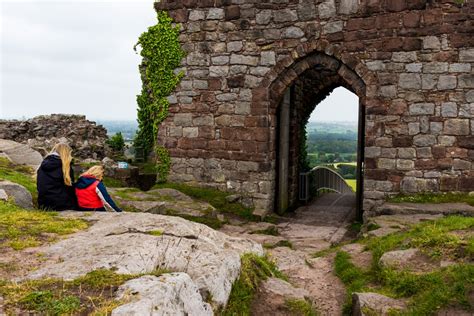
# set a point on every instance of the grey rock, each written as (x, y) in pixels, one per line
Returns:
(466, 81)
(449, 109)
(233, 198)
(422, 109)
(366, 304)
(398, 257)
(215, 14)
(333, 27)
(196, 15)
(123, 241)
(264, 17)
(20, 154)
(424, 140)
(3, 195)
(327, 9)
(293, 32)
(466, 55)
(268, 58)
(436, 67)
(348, 6)
(431, 42)
(456, 127)
(285, 15)
(447, 82)
(168, 294)
(404, 57)
(409, 81)
(20, 195)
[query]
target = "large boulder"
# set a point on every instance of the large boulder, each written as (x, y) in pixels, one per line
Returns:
(20, 154)
(169, 294)
(21, 196)
(134, 243)
(367, 304)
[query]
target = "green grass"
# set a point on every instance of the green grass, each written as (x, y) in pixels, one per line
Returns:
(112, 183)
(93, 293)
(425, 293)
(254, 269)
(20, 228)
(271, 230)
(281, 243)
(352, 183)
(432, 237)
(22, 175)
(214, 197)
(434, 198)
(300, 307)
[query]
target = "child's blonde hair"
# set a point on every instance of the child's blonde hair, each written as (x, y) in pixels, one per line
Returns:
(95, 171)
(65, 153)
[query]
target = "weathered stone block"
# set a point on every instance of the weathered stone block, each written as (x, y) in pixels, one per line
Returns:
(293, 32)
(447, 82)
(424, 152)
(327, 9)
(372, 152)
(459, 164)
(236, 59)
(407, 153)
(409, 81)
(422, 109)
(384, 163)
(404, 164)
(435, 67)
(215, 14)
(460, 67)
(233, 47)
(268, 58)
(218, 71)
(456, 127)
(431, 42)
(413, 128)
(333, 27)
(264, 17)
(466, 81)
(414, 67)
(424, 140)
(449, 109)
(197, 15)
(466, 55)
(190, 132)
(285, 15)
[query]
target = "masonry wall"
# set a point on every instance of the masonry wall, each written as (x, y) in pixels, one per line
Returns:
(413, 63)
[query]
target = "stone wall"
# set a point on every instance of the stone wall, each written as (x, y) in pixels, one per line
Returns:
(409, 61)
(42, 132)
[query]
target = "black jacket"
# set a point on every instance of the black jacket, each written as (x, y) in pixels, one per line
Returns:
(53, 194)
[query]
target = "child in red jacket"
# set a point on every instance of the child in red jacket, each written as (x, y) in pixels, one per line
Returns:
(91, 192)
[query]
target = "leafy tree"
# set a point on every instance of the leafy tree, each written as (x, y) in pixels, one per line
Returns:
(116, 142)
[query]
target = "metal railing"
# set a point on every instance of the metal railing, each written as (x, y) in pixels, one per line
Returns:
(322, 178)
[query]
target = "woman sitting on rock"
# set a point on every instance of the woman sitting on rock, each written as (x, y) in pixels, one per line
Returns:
(54, 180)
(91, 192)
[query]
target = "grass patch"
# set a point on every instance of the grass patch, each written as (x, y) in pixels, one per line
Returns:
(22, 175)
(271, 230)
(214, 197)
(20, 228)
(433, 198)
(425, 293)
(155, 233)
(254, 269)
(300, 307)
(372, 226)
(112, 183)
(432, 237)
(91, 294)
(281, 243)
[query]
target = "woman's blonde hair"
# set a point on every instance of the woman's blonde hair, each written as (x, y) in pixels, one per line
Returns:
(95, 171)
(65, 153)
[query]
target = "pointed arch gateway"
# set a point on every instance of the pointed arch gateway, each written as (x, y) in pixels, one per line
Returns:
(293, 94)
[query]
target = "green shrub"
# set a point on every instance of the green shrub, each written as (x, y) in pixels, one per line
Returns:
(116, 142)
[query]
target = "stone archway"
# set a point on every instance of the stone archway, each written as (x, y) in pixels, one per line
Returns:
(305, 84)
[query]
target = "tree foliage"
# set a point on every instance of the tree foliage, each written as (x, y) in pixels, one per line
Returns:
(162, 54)
(116, 142)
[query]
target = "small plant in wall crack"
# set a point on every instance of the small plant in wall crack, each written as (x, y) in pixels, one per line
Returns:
(162, 54)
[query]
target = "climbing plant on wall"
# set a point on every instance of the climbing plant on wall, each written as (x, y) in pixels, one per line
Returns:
(162, 54)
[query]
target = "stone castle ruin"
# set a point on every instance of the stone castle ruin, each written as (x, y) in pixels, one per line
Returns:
(255, 70)
(41, 133)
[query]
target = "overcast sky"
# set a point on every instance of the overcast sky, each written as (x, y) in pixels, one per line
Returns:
(77, 57)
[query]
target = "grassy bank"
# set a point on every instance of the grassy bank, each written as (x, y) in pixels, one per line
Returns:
(446, 197)
(425, 293)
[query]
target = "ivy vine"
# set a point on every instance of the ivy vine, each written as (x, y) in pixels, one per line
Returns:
(162, 54)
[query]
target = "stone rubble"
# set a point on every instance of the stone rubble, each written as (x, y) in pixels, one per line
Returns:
(41, 133)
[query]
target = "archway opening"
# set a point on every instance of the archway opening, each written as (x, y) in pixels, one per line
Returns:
(297, 182)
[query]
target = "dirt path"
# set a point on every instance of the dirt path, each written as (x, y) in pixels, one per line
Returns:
(310, 229)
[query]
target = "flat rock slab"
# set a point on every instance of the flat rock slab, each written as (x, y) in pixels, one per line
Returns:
(360, 257)
(422, 208)
(169, 294)
(134, 243)
(410, 259)
(368, 304)
(389, 224)
(20, 154)
(164, 202)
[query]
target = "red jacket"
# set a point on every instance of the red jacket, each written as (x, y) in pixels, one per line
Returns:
(88, 197)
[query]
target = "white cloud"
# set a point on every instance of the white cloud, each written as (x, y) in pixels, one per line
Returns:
(71, 57)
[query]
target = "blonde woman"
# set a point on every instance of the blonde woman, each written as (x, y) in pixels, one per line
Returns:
(55, 179)
(91, 192)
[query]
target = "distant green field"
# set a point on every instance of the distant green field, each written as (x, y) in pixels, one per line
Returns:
(352, 183)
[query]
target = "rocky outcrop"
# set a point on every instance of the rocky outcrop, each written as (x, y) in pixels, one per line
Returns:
(366, 304)
(20, 154)
(42, 132)
(134, 243)
(273, 297)
(169, 294)
(18, 194)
